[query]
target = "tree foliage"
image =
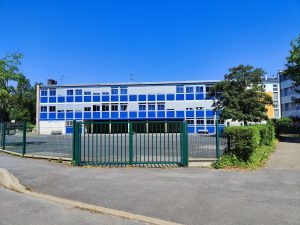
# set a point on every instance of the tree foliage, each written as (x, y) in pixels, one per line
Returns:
(240, 96)
(292, 66)
(17, 96)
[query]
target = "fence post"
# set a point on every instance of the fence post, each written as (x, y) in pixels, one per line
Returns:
(3, 136)
(130, 143)
(75, 143)
(24, 139)
(217, 139)
(186, 146)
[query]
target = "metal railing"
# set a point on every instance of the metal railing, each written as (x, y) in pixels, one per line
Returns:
(130, 143)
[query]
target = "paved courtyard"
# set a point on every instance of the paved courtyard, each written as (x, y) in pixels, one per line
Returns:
(189, 196)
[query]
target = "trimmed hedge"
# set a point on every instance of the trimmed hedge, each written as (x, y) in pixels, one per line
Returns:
(249, 146)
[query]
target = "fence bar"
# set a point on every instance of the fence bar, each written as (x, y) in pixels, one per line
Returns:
(217, 139)
(24, 139)
(130, 143)
(3, 137)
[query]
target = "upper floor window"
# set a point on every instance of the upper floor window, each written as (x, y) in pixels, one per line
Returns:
(87, 93)
(87, 109)
(208, 88)
(160, 106)
(78, 92)
(189, 89)
(70, 92)
(151, 107)
(52, 92)
(114, 91)
(199, 89)
(105, 107)
(52, 108)
(105, 93)
(179, 89)
(191, 122)
(43, 108)
(114, 107)
(44, 92)
(96, 108)
(96, 94)
(123, 91)
(123, 107)
(142, 107)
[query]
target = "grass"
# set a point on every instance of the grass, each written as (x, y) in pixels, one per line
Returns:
(256, 160)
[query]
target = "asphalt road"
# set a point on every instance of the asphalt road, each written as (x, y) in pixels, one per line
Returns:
(156, 147)
(19, 209)
(268, 196)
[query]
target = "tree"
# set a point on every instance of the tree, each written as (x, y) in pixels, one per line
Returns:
(292, 66)
(17, 97)
(241, 96)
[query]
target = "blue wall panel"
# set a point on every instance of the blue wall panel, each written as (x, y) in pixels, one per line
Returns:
(114, 98)
(105, 115)
(160, 97)
(61, 115)
(60, 99)
(105, 98)
(43, 115)
(211, 129)
(191, 129)
(52, 99)
(78, 98)
(210, 113)
(123, 115)
(142, 98)
(170, 97)
(189, 96)
(96, 115)
(200, 113)
(179, 97)
(132, 115)
(70, 99)
(151, 98)
(114, 115)
(96, 98)
(44, 99)
(52, 115)
(78, 115)
(190, 113)
(170, 114)
(180, 114)
(123, 98)
(87, 98)
(199, 96)
(69, 130)
(87, 115)
(161, 114)
(142, 114)
(199, 129)
(151, 114)
(132, 98)
(69, 115)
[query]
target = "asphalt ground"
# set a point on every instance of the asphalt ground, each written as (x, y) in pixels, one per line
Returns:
(20, 209)
(268, 196)
(108, 147)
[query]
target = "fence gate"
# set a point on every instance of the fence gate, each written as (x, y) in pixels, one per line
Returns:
(130, 143)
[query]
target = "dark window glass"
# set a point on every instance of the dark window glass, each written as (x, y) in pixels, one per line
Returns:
(52, 108)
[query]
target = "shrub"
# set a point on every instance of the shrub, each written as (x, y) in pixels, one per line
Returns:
(244, 141)
(267, 134)
(283, 126)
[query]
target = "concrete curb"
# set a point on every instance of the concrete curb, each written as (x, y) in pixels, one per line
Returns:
(9, 181)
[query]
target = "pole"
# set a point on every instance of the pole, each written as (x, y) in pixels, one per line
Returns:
(217, 139)
(24, 139)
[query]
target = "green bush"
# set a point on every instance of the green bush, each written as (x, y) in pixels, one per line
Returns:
(283, 126)
(243, 140)
(267, 134)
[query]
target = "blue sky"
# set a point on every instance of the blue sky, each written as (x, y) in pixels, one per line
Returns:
(105, 41)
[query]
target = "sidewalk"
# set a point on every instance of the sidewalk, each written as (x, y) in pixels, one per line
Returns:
(188, 196)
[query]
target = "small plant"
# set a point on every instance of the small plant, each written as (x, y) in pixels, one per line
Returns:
(60, 160)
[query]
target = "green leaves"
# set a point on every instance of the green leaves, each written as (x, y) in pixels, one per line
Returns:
(241, 96)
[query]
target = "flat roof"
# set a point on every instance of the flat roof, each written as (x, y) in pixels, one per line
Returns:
(134, 84)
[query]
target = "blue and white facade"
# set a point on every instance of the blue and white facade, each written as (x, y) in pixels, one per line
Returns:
(58, 105)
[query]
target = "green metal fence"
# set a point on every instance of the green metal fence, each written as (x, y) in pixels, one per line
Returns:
(130, 143)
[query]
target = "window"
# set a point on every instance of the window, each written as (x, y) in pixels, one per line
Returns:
(105, 107)
(70, 92)
(190, 122)
(114, 107)
(60, 110)
(179, 89)
(199, 108)
(69, 110)
(44, 92)
(69, 123)
(87, 93)
(200, 121)
(114, 91)
(189, 89)
(275, 87)
(87, 109)
(142, 107)
(123, 107)
(160, 106)
(52, 92)
(210, 122)
(78, 92)
(199, 89)
(43, 108)
(123, 91)
(96, 108)
(96, 94)
(187, 109)
(151, 107)
(52, 108)
(208, 88)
